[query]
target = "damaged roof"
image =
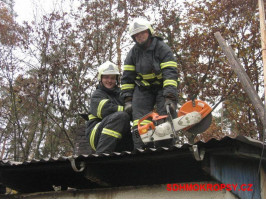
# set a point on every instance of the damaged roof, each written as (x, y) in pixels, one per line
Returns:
(188, 163)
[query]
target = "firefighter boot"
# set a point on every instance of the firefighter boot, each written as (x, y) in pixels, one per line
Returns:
(138, 144)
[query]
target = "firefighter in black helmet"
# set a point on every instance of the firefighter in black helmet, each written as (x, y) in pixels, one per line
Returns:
(108, 128)
(149, 77)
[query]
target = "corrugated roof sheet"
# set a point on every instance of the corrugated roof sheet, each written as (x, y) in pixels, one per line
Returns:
(150, 166)
(212, 142)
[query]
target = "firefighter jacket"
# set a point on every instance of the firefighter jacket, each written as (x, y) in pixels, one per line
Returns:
(103, 103)
(154, 66)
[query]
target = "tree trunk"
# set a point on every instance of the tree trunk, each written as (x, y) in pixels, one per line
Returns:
(242, 75)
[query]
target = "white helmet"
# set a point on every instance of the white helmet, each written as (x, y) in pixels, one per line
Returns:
(139, 25)
(107, 68)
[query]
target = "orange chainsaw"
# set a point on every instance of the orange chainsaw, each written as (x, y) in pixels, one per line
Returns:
(193, 116)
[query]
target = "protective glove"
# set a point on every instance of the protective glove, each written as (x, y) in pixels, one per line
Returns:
(128, 105)
(172, 106)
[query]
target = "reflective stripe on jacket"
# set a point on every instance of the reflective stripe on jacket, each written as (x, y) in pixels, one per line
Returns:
(103, 103)
(154, 66)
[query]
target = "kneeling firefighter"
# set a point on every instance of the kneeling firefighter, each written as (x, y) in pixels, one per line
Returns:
(108, 128)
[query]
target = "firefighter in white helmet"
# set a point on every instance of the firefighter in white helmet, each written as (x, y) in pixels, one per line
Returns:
(149, 77)
(108, 128)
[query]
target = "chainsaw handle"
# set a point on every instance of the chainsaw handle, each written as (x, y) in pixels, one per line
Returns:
(144, 128)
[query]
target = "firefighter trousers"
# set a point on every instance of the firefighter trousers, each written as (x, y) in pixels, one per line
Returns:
(112, 134)
(145, 101)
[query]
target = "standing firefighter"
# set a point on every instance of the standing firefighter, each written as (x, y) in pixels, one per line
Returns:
(108, 128)
(149, 76)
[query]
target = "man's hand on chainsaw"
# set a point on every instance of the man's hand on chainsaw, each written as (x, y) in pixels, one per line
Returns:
(172, 106)
(128, 105)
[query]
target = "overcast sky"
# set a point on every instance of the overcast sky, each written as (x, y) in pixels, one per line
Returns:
(26, 9)
(22, 8)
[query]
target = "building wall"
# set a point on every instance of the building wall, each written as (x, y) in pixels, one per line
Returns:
(130, 192)
(263, 183)
(240, 172)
